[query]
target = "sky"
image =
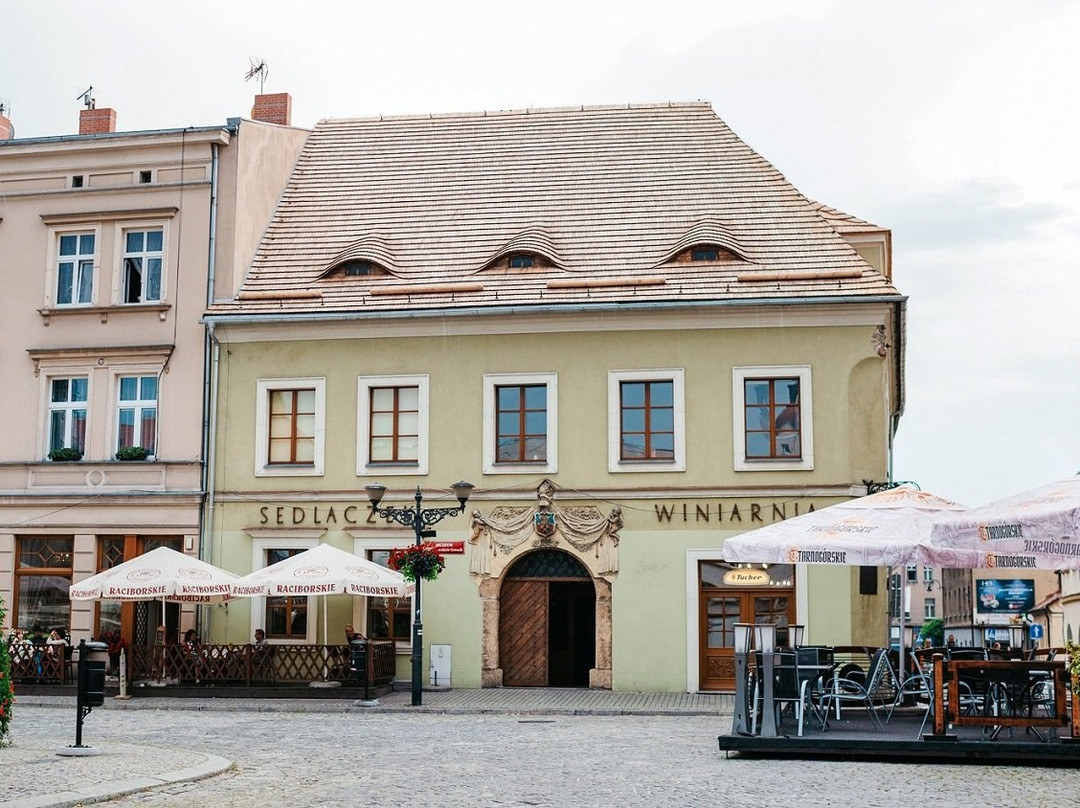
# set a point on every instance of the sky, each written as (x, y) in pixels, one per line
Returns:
(954, 124)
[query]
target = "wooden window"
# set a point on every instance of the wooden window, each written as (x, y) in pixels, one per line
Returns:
(137, 402)
(67, 413)
(388, 618)
(42, 579)
(647, 420)
(773, 418)
(286, 616)
(521, 423)
(519, 261)
(394, 429)
(704, 254)
(291, 438)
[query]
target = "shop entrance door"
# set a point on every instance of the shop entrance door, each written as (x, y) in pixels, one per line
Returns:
(721, 607)
(547, 625)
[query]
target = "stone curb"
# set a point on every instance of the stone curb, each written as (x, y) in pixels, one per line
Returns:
(101, 792)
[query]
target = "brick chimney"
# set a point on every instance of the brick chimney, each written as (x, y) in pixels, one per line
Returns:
(273, 108)
(97, 121)
(7, 128)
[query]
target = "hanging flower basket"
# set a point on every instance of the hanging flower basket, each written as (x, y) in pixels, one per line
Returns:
(418, 562)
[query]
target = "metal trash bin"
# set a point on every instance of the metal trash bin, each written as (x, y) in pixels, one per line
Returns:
(358, 655)
(93, 658)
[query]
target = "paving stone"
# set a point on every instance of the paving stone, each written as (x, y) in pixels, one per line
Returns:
(538, 751)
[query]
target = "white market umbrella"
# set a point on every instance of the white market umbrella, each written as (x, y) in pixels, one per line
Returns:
(323, 570)
(891, 528)
(888, 529)
(1036, 529)
(162, 574)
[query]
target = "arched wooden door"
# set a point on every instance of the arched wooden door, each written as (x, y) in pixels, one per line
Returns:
(547, 622)
(730, 595)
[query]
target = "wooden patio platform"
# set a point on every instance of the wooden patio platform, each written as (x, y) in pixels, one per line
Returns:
(854, 737)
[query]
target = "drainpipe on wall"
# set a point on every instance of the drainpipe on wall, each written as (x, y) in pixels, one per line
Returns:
(206, 543)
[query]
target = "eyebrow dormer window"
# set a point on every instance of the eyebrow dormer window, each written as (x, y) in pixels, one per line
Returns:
(705, 254)
(358, 269)
(520, 261)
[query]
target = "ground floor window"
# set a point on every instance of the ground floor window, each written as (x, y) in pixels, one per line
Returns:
(388, 618)
(42, 581)
(286, 617)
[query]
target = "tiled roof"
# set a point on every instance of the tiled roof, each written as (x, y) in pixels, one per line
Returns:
(606, 197)
(844, 222)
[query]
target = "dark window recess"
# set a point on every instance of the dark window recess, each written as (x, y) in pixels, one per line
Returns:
(77, 181)
(704, 254)
(145, 177)
(520, 261)
(867, 580)
(356, 269)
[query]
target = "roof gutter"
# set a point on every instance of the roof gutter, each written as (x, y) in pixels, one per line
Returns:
(586, 308)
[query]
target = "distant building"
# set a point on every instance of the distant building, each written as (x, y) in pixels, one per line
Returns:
(622, 324)
(109, 245)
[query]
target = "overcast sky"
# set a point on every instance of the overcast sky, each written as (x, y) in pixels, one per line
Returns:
(955, 124)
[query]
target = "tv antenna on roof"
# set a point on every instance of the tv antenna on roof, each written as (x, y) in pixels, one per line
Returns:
(88, 102)
(258, 68)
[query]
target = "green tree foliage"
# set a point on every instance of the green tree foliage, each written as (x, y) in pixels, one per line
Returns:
(934, 630)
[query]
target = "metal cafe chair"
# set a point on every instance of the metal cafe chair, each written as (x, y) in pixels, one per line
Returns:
(844, 690)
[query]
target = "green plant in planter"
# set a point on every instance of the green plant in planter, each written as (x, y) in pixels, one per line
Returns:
(65, 453)
(132, 453)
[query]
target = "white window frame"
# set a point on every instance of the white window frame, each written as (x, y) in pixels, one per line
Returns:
(494, 380)
(366, 540)
(739, 375)
(138, 405)
(67, 407)
(615, 378)
(929, 608)
(364, 465)
(264, 387)
(121, 250)
(52, 274)
(263, 540)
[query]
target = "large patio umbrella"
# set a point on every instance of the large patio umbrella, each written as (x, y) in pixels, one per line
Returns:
(1036, 529)
(891, 528)
(888, 529)
(162, 574)
(323, 570)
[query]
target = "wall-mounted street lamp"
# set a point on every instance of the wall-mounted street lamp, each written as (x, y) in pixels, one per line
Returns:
(420, 519)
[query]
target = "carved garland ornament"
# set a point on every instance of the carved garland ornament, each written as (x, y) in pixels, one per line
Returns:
(583, 527)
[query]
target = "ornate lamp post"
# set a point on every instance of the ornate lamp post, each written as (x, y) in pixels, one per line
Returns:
(419, 519)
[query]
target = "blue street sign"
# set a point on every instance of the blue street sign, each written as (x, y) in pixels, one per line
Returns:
(1035, 631)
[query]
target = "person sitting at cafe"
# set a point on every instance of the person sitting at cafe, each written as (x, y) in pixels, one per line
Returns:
(260, 638)
(351, 635)
(54, 646)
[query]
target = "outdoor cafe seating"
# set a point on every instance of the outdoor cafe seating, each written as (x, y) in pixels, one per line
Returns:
(808, 681)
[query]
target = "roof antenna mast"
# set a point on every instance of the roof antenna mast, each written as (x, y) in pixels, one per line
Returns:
(258, 68)
(88, 101)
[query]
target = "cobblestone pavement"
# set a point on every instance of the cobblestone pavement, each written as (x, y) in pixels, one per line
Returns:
(310, 754)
